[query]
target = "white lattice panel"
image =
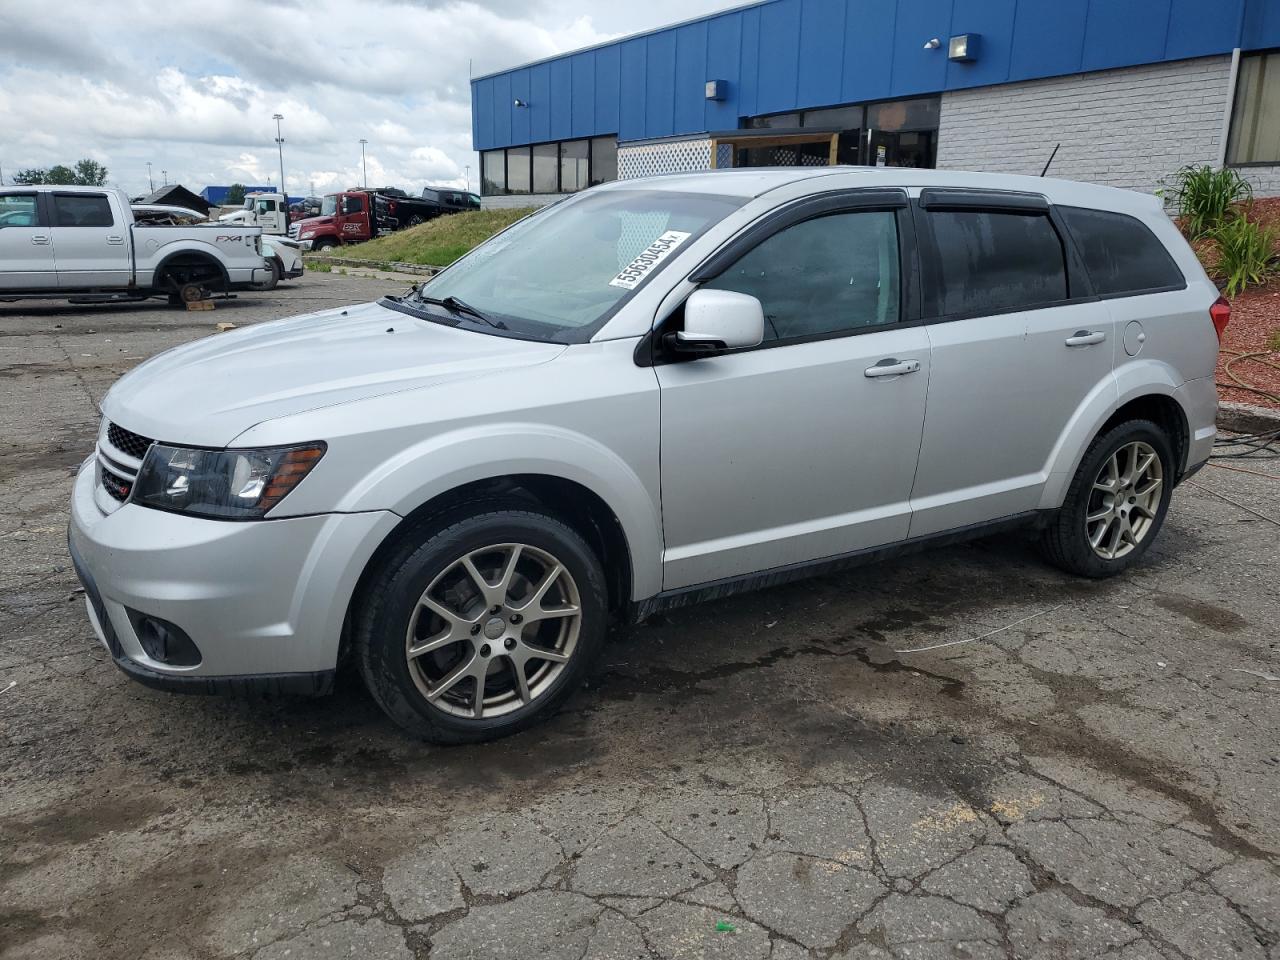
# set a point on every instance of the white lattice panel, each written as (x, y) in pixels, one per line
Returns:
(652, 159)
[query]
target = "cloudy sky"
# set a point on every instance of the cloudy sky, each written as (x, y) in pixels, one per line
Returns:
(190, 85)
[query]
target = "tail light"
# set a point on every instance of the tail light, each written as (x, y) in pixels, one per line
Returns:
(1220, 314)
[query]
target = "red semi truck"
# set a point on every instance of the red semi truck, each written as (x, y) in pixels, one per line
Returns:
(354, 216)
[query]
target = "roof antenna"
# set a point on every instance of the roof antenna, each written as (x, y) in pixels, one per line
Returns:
(1050, 160)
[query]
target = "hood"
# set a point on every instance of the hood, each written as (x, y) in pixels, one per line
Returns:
(313, 222)
(235, 216)
(209, 392)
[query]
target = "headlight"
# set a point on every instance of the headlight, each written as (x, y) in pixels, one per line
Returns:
(222, 484)
(306, 234)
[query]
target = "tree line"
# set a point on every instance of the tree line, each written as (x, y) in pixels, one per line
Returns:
(89, 173)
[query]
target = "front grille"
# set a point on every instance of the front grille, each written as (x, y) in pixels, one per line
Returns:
(128, 442)
(117, 487)
(293, 231)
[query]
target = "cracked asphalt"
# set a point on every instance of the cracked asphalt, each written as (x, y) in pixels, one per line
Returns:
(772, 776)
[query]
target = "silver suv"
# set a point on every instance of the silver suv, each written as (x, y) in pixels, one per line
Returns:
(655, 392)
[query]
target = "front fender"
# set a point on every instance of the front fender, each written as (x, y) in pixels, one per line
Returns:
(1136, 378)
(444, 462)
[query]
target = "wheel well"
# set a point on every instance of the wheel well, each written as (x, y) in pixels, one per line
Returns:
(571, 502)
(201, 266)
(1163, 411)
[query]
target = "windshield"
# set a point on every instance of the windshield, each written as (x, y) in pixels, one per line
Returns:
(329, 205)
(561, 273)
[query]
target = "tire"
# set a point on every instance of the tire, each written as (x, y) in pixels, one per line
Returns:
(326, 243)
(431, 693)
(1128, 523)
(277, 272)
(415, 220)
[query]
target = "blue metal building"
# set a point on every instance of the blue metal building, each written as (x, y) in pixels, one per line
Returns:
(757, 84)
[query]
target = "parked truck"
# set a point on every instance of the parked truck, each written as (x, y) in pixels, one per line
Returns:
(355, 216)
(82, 244)
(270, 211)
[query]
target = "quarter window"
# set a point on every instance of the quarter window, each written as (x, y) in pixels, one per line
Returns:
(832, 274)
(995, 262)
(1121, 255)
(1255, 117)
(81, 210)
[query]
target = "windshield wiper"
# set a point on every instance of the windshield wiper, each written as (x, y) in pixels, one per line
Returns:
(461, 306)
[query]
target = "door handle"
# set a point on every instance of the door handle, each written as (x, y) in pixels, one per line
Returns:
(114, 239)
(892, 367)
(1083, 338)
(39, 238)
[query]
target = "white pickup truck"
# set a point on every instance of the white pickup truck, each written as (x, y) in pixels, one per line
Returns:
(82, 244)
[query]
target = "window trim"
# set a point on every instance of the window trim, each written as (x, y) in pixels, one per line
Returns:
(1079, 285)
(650, 351)
(52, 196)
(506, 165)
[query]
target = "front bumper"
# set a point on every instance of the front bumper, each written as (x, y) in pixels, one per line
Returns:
(263, 601)
(296, 272)
(305, 244)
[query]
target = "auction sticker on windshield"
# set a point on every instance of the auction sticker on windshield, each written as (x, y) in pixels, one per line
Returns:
(633, 273)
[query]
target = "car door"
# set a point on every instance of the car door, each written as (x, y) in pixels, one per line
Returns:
(1017, 343)
(802, 448)
(91, 242)
(26, 245)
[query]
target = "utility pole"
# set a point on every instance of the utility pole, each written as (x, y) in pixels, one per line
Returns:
(467, 168)
(364, 166)
(165, 175)
(277, 117)
(150, 182)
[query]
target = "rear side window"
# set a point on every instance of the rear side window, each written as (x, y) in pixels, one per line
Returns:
(81, 210)
(19, 210)
(1121, 254)
(989, 262)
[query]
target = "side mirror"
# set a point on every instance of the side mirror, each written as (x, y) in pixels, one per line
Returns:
(717, 320)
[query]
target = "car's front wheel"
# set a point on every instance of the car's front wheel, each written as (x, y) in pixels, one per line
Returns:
(481, 623)
(1116, 503)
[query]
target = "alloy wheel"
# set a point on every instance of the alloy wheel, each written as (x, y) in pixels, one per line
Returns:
(493, 631)
(1124, 500)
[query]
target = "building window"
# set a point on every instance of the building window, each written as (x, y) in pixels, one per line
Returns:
(564, 167)
(1255, 117)
(604, 160)
(546, 162)
(895, 133)
(493, 178)
(575, 156)
(519, 172)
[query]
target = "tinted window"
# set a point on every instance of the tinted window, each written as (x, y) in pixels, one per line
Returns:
(81, 210)
(838, 272)
(1120, 253)
(18, 210)
(604, 160)
(573, 166)
(429, 194)
(518, 170)
(493, 176)
(990, 262)
(545, 163)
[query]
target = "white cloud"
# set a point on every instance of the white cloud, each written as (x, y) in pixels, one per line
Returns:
(191, 86)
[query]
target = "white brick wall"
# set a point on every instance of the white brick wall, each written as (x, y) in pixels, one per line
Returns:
(1124, 128)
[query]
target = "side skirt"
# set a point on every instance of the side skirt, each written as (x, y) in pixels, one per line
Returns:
(775, 576)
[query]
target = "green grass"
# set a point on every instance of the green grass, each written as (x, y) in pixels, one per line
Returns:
(438, 242)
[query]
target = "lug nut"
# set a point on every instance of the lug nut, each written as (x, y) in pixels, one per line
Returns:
(511, 643)
(496, 610)
(516, 618)
(485, 651)
(475, 628)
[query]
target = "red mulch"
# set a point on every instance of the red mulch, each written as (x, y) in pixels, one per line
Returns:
(1254, 327)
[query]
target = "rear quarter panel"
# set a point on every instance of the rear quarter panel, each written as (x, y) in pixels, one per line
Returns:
(232, 246)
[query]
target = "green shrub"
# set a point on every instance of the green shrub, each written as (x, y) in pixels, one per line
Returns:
(1246, 253)
(1206, 197)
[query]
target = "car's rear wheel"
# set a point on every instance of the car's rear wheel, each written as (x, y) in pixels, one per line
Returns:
(480, 624)
(1116, 503)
